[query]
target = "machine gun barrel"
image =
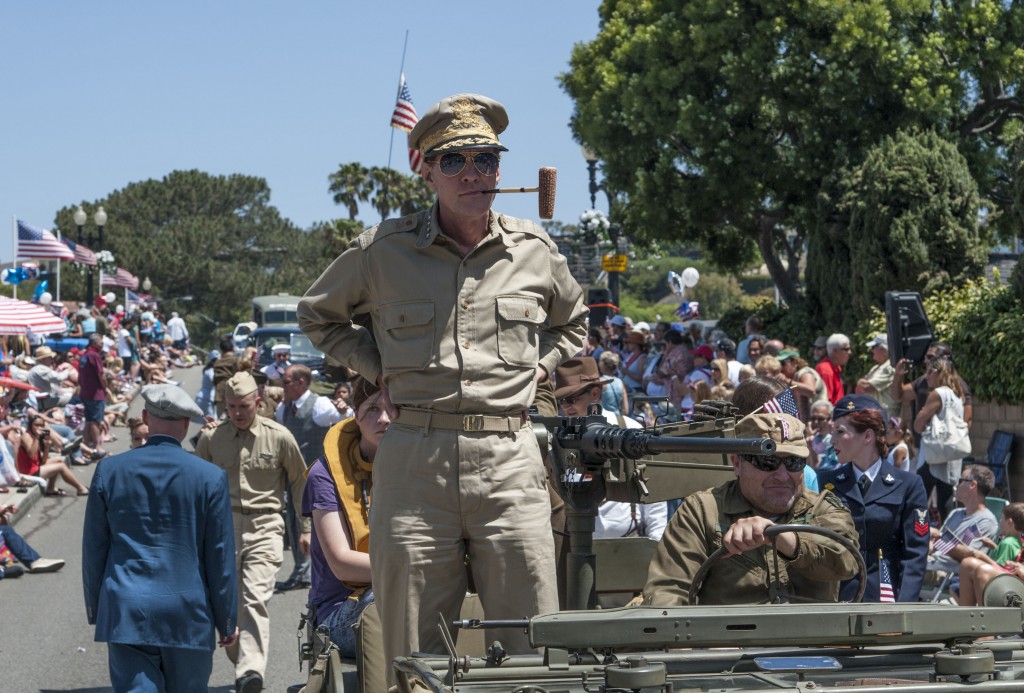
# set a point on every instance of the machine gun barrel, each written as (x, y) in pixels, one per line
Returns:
(611, 442)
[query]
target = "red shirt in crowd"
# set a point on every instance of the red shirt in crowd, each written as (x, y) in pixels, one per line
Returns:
(832, 375)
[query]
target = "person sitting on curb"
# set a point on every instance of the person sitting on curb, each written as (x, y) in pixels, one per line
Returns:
(966, 528)
(13, 545)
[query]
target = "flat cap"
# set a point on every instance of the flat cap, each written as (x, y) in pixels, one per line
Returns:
(169, 402)
(787, 432)
(241, 384)
(462, 121)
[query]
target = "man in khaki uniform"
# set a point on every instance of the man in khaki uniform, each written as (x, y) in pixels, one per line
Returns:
(261, 458)
(736, 514)
(457, 312)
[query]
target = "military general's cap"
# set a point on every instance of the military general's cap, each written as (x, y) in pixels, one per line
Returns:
(463, 121)
(169, 402)
(241, 384)
(787, 432)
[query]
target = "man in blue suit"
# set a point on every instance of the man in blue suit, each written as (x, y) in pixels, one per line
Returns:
(158, 562)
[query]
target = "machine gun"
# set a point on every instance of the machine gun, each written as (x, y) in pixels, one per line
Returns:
(591, 461)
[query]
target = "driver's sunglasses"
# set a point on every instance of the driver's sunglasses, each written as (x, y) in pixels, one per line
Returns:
(770, 464)
(570, 400)
(453, 163)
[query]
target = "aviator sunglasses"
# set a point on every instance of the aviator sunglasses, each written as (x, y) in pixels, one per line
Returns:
(770, 464)
(453, 163)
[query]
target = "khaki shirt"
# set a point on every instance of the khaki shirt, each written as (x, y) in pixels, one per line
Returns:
(269, 400)
(696, 530)
(462, 335)
(260, 463)
(880, 378)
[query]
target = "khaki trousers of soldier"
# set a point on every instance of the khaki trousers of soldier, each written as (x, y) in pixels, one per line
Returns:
(259, 547)
(439, 496)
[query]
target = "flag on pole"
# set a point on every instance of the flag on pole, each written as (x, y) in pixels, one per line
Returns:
(885, 591)
(949, 539)
(36, 243)
(405, 118)
(82, 254)
(782, 403)
(121, 278)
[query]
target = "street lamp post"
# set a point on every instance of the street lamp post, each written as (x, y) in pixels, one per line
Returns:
(100, 219)
(618, 238)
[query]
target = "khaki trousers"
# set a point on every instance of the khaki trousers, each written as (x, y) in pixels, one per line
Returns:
(259, 547)
(439, 496)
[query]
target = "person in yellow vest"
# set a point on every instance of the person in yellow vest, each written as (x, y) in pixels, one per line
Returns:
(337, 498)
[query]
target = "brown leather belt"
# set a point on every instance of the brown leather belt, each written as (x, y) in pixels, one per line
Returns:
(253, 511)
(508, 422)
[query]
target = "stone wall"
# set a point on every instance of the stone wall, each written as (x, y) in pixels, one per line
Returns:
(989, 417)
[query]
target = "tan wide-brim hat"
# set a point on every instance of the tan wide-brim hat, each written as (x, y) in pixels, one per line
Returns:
(45, 352)
(576, 375)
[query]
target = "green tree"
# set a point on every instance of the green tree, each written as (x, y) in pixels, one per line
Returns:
(384, 188)
(729, 119)
(214, 238)
(908, 220)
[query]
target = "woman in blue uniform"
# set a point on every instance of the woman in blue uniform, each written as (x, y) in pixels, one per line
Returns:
(889, 506)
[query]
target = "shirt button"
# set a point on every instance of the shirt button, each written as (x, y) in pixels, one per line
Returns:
(469, 382)
(465, 345)
(527, 312)
(465, 304)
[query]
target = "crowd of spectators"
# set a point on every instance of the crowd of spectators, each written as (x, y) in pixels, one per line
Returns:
(62, 396)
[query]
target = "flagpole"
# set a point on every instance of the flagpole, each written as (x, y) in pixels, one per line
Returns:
(58, 270)
(14, 249)
(391, 140)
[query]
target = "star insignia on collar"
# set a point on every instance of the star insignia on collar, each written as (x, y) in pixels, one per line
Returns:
(841, 477)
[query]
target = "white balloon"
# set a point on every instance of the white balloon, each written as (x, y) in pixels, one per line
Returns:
(109, 297)
(45, 298)
(690, 277)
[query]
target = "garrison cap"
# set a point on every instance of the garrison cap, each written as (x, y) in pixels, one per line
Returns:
(854, 403)
(169, 402)
(787, 432)
(241, 384)
(463, 121)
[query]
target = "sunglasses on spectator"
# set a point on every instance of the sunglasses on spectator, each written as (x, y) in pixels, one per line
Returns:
(962, 480)
(770, 464)
(453, 163)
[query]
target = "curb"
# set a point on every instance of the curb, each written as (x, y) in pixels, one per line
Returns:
(24, 501)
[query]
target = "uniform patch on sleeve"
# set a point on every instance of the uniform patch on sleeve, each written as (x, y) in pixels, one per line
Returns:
(832, 499)
(921, 521)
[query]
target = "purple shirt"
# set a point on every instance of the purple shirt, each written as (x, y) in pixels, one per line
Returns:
(327, 592)
(90, 371)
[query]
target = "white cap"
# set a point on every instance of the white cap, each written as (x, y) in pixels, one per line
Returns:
(281, 349)
(642, 327)
(879, 340)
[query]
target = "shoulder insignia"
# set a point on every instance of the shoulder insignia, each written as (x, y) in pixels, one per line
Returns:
(388, 227)
(833, 500)
(841, 476)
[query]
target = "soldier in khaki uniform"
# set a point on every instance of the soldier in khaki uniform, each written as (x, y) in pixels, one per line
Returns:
(736, 514)
(261, 458)
(457, 312)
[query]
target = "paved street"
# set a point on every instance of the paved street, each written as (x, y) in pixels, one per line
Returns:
(47, 644)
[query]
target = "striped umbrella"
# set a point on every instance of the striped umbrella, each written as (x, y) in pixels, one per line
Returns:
(16, 317)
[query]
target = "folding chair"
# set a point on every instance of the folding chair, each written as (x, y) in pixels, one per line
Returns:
(997, 458)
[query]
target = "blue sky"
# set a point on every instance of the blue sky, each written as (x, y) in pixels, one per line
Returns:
(97, 95)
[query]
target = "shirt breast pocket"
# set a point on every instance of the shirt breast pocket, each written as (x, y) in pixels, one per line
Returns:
(519, 320)
(406, 337)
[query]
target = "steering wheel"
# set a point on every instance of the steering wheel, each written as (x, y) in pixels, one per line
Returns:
(771, 533)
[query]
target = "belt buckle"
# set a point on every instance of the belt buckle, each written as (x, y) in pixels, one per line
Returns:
(473, 422)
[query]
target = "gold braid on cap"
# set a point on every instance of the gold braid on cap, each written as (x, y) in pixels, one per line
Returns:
(467, 128)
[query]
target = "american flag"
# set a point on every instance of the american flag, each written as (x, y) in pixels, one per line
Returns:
(782, 403)
(405, 118)
(945, 544)
(83, 255)
(36, 243)
(885, 593)
(121, 278)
